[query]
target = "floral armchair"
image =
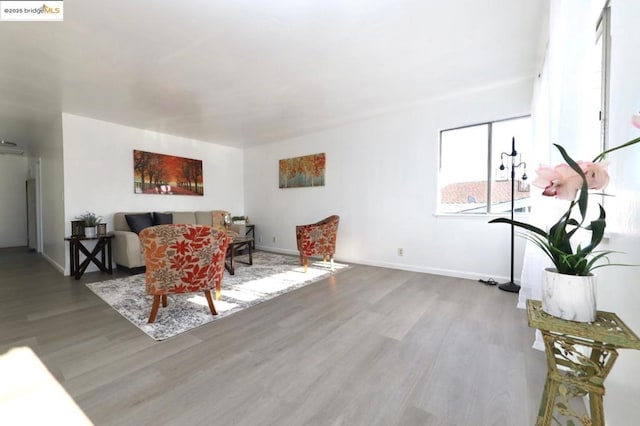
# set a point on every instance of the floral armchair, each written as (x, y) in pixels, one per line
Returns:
(183, 259)
(317, 239)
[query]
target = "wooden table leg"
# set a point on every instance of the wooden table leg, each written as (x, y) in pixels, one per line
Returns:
(77, 246)
(103, 255)
(110, 264)
(229, 265)
(73, 266)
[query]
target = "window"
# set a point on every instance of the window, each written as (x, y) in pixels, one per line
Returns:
(470, 158)
(601, 78)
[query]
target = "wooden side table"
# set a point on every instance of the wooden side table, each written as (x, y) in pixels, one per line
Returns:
(234, 247)
(579, 358)
(76, 246)
(251, 233)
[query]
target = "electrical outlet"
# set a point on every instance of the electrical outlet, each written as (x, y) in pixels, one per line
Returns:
(260, 238)
(275, 240)
(400, 251)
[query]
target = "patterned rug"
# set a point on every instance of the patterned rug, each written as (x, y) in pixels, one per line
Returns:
(270, 276)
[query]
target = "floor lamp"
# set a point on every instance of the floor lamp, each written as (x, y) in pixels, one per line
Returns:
(511, 286)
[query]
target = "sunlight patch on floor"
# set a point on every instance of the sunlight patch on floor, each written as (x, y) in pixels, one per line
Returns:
(240, 295)
(221, 305)
(279, 282)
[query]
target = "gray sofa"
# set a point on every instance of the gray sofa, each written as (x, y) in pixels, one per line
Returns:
(126, 243)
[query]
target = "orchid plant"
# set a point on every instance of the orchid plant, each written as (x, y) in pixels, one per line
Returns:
(572, 181)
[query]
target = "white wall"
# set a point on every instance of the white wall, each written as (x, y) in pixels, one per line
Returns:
(13, 204)
(46, 145)
(381, 179)
(98, 171)
(619, 288)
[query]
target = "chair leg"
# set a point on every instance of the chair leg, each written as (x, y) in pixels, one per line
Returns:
(212, 308)
(332, 265)
(164, 300)
(154, 308)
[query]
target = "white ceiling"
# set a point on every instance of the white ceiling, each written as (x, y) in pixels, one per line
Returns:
(246, 72)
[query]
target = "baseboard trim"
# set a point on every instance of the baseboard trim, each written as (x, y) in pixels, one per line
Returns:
(277, 250)
(469, 275)
(55, 264)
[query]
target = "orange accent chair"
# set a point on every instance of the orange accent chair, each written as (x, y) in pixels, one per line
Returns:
(317, 239)
(183, 259)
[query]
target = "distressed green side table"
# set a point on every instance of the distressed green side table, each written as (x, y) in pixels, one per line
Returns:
(579, 358)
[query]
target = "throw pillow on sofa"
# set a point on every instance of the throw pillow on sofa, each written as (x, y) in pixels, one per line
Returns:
(162, 218)
(137, 222)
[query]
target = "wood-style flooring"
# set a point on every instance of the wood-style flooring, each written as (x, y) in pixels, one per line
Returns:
(368, 346)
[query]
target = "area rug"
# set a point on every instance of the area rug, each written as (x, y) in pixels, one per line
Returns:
(270, 276)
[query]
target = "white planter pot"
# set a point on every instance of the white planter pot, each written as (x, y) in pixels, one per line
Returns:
(569, 297)
(90, 232)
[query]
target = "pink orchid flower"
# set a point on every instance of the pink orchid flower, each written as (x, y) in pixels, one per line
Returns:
(564, 183)
(635, 120)
(560, 181)
(596, 173)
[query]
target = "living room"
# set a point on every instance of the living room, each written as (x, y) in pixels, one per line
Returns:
(381, 177)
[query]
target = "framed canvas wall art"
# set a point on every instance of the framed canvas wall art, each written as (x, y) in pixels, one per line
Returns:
(302, 171)
(166, 174)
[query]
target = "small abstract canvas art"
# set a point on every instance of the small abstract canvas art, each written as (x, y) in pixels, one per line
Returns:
(302, 171)
(166, 174)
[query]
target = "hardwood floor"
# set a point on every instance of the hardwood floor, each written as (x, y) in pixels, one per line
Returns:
(368, 346)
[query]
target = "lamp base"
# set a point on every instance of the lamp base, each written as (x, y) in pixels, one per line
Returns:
(510, 287)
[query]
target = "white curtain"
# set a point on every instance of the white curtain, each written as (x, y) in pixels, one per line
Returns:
(534, 259)
(560, 109)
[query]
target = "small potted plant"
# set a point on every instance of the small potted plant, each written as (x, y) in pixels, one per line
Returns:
(91, 221)
(240, 219)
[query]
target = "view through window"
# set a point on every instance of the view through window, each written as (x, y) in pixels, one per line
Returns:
(600, 81)
(470, 159)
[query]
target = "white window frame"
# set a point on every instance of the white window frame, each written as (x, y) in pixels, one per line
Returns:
(490, 166)
(603, 30)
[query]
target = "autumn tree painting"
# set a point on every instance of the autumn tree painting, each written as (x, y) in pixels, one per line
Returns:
(302, 171)
(166, 174)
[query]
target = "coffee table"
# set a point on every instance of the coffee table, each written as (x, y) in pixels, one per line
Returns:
(235, 246)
